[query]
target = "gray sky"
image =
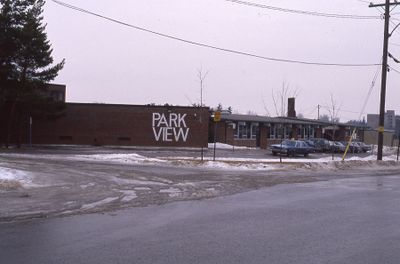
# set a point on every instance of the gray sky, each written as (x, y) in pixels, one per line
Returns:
(110, 63)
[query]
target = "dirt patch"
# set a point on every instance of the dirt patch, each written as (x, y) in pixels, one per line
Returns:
(9, 185)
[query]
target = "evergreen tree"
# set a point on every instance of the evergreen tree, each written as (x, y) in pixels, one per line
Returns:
(26, 63)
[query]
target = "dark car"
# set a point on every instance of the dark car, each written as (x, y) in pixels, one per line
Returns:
(353, 147)
(291, 148)
(364, 147)
(321, 144)
(311, 144)
(338, 147)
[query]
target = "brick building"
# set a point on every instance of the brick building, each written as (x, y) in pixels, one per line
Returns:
(132, 125)
(262, 131)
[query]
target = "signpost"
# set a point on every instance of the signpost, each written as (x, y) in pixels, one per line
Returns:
(30, 131)
(217, 118)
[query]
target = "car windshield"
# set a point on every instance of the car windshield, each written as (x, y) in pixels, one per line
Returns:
(289, 143)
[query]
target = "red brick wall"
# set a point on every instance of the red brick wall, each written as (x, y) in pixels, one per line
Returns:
(106, 124)
(251, 143)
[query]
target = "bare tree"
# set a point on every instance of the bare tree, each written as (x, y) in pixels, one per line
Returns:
(280, 98)
(324, 118)
(201, 75)
(265, 108)
(333, 110)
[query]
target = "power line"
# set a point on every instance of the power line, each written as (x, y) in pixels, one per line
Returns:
(303, 12)
(364, 1)
(390, 21)
(393, 69)
(211, 46)
(366, 98)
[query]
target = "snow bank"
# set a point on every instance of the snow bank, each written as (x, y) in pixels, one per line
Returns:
(12, 174)
(224, 146)
(237, 165)
(12, 178)
(131, 158)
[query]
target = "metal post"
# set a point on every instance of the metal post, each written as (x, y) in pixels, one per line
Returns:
(30, 131)
(398, 148)
(215, 137)
(280, 154)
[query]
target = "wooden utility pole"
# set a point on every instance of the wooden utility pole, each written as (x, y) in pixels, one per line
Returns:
(381, 127)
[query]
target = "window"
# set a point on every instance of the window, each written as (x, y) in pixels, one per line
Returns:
(280, 131)
(272, 131)
(312, 131)
(308, 131)
(241, 130)
(288, 131)
(246, 130)
(254, 130)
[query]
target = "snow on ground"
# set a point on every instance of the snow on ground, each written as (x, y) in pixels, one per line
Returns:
(119, 157)
(12, 178)
(238, 165)
(227, 163)
(99, 203)
(225, 146)
(129, 195)
(274, 163)
(172, 192)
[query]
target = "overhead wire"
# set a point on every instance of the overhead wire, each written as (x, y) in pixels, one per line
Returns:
(366, 98)
(393, 69)
(303, 12)
(369, 92)
(204, 45)
(364, 1)
(362, 111)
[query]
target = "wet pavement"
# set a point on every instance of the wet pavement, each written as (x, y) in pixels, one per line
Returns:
(351, 220)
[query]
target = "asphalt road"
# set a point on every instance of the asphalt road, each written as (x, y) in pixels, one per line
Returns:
(339, 221)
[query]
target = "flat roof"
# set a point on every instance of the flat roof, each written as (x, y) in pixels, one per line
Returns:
(136, 106)
(280, 120)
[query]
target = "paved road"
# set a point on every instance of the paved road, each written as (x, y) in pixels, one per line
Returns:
(339, 221)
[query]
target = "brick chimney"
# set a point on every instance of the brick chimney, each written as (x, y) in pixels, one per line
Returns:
(291, 108)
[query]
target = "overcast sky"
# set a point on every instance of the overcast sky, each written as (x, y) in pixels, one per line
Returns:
(111, 63)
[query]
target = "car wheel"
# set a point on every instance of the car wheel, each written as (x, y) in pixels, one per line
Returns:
(274, 153)
(305, 154)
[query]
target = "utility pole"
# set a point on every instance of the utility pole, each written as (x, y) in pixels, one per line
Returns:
(201, 77)
(381, 127)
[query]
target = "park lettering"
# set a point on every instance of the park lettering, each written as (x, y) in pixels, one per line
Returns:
(170, 127)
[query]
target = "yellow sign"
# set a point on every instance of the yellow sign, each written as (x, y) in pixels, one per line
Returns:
(217, 116)
(381, 129)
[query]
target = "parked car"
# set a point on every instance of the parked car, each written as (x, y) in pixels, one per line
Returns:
(311, 144)
(338, 147)
(364, 147)
(291, 148)
(321, 144)
(353, 147)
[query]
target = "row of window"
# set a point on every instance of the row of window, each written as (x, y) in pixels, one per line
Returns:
(247, 130)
